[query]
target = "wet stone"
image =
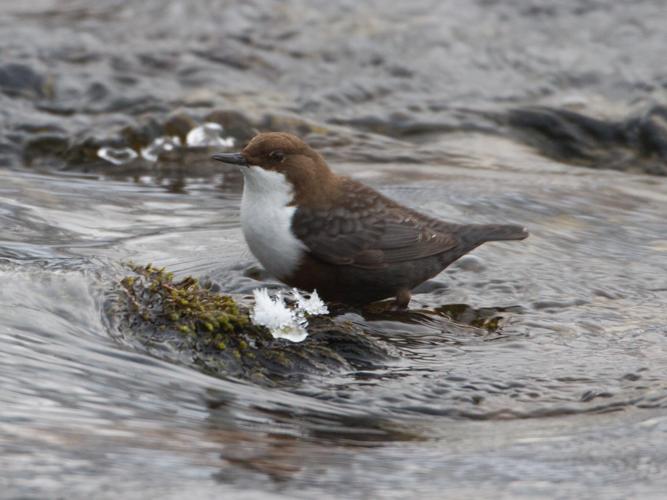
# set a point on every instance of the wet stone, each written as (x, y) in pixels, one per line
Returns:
(234, 123)
(161, 315)
(143, 133)
(490, 319)
(291, 124)
(178, 125)
(636, 143)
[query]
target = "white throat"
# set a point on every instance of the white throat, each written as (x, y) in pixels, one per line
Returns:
(266, 220)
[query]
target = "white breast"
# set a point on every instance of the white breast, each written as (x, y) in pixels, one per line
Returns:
(266, 220)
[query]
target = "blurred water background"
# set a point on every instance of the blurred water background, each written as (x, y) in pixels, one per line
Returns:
(547, 114)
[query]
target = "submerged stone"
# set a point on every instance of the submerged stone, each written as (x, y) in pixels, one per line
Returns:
(83, 151)
(45, 145)
(17, 79)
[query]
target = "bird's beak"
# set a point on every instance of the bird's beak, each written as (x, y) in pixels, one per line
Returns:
(233, 158)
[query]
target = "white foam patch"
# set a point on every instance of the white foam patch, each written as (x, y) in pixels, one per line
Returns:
(312, 305)
(117, 156)
(208, 135)
(160, 145)
(282, 321)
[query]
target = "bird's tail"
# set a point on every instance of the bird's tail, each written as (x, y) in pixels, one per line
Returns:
(476, 234)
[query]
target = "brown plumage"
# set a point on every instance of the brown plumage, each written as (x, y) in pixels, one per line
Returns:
(358, 245)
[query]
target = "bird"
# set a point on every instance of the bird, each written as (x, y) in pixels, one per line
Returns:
(318, 231)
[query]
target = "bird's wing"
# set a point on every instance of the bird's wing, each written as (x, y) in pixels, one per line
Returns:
(366, 229)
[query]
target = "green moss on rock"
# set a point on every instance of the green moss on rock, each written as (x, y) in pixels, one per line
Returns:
(187, 321)
(186, 306)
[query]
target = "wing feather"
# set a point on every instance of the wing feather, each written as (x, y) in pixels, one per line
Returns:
(373, 232)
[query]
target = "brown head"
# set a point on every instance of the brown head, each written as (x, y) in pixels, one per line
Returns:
(290, 156)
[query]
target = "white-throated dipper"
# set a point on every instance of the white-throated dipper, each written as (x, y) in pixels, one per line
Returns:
(315, 230)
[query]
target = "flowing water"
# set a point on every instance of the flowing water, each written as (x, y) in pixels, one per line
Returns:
(528, 369)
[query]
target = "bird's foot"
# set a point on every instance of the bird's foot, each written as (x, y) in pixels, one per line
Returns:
(402, 300)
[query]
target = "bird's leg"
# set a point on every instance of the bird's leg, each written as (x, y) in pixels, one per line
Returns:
(402, 299)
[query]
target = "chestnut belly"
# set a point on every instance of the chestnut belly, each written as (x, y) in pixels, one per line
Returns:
(356, 285)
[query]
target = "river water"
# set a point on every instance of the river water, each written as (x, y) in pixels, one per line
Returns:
(547, 115)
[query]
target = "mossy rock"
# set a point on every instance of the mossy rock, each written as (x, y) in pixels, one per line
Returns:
(193, 323)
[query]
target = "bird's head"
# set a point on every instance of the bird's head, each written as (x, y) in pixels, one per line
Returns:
(285, 154)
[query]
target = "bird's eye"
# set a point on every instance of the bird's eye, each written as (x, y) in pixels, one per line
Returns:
(277, 155)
